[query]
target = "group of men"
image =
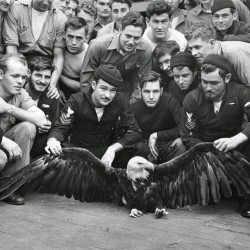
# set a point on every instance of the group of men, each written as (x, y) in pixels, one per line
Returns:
(128, 85)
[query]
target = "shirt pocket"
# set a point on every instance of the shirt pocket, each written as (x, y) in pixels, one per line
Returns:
(48, 39)
(25, 35)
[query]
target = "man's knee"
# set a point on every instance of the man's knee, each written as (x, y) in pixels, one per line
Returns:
(3, 160)
(27, 129)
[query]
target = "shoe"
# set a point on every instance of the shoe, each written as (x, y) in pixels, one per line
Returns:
(244, 206)
(15, 199)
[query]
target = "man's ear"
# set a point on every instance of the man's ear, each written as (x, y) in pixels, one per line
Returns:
(147, 21)
(212, 42)
(228, 78)
(94, 3)
(29, 73)
(235, 16)
(161, 90)
(1, 74)
(93, 85)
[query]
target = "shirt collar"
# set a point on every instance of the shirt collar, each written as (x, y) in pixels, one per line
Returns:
(115, 44)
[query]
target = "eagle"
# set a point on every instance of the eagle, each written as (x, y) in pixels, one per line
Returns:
(200, 175)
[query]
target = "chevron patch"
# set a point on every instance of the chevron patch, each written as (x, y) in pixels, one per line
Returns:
(190, 122)
(66, 118)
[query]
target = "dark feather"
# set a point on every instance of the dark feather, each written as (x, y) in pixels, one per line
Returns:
(76, 172)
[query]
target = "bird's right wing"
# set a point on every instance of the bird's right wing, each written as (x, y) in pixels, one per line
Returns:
(201, 174)
(76, 172)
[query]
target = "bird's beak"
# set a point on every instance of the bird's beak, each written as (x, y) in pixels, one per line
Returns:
(148, 166)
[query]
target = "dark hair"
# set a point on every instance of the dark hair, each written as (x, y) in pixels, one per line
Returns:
(151, 76)
(169, 47)
(76, 23)
(192, 4)
(180, 67)
(128, 2)
(88, 8)
(157, 8)
(209, 68)
(39, 63)
(201, 30)
(15, 56)
(134, 18)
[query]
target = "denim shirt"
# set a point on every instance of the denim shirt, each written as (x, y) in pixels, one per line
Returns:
(18, 30)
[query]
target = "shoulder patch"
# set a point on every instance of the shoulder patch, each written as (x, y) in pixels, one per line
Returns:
(66, 117)
(190, 121)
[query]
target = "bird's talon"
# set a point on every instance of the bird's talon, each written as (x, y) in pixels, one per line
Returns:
(160, 213)
(135, 213)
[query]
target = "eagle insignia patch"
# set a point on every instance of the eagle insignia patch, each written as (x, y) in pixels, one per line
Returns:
(66, 117)
(190, 121)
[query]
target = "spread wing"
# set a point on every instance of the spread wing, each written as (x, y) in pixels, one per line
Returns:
(202, 174)
(76, 172)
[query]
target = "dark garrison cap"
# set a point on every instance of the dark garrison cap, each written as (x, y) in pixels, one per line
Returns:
(218, 61)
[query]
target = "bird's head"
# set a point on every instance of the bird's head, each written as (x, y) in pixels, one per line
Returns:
(137, 168)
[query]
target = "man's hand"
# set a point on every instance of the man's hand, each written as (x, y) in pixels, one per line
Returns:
(45, 127)
(152, 145)
(227, 144)
(53, 92)
(12, 147)
(108, 157)
(53, 146)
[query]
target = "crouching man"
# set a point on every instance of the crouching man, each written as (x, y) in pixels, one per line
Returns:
(215, 111)
(159, 116)
(16, 104)
(91, 120)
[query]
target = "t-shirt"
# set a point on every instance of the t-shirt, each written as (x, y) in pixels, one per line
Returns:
(38, 19)
(99, 113)
(171, 35)
(217, 107)
(73, 63)
(23, 101)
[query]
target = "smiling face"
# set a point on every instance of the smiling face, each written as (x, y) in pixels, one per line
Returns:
(40, 80)
(164, 63)
(119, 10)
(5, 5)
(223, 19)
(75, 40)
(14, 78)
(159, 25)
(130, 38)
(151, 93)
(103, 93)
(183, 77)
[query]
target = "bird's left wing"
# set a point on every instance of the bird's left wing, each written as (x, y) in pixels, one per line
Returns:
(202, 174)
(76, 172)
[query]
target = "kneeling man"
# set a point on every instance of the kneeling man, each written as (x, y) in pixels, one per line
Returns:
(215, 111)
(158, 115)
(91, 119)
